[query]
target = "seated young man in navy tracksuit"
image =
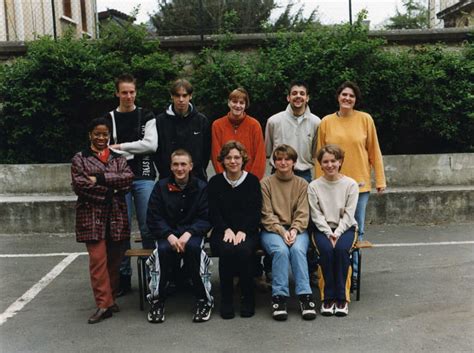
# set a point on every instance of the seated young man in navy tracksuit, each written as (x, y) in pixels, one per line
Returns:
(178, 219)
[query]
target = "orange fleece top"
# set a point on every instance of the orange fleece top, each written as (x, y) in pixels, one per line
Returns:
(249, 133)
(357, 136)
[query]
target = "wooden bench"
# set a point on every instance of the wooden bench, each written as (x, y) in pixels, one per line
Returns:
(143, 254)
(362, 244)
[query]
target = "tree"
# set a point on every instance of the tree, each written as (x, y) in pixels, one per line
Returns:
(181, 17)
(415, 17)
(294, 21)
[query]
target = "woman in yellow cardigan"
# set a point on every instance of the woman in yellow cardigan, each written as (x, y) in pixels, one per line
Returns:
(354, 131)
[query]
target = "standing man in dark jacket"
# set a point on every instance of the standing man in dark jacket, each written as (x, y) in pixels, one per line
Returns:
(178, 220)
(182, 126)
(134, 136)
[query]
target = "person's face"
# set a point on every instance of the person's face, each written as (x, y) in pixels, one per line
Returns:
(233, 161)
(330, 165)
(99, 137)
(181, 166)
(126, 94)
(347, 98)
(283, 163)
(181, 101)
(298, 97)
(237, 106)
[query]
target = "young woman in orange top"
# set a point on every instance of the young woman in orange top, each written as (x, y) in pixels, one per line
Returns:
(239, 126)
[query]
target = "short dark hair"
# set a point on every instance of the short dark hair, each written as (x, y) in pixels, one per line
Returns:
(181, 152)
(181, 82)
(335, 150)
(285, 149)
(354, 87)
(99, 121)
(298, 83)
(124, 78)
(230, 145)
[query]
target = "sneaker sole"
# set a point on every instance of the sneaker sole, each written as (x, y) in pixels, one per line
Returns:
(327, 313)
(308, 315)
(340, 313)
(280, 316)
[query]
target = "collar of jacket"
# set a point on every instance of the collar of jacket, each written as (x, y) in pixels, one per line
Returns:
(172, 186)
(89, 153)
(170, 111)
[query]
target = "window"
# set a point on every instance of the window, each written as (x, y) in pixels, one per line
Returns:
(84, 15)
(67, 11)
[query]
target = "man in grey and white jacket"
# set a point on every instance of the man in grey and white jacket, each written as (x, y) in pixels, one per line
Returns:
(296, 126)
(135, 137)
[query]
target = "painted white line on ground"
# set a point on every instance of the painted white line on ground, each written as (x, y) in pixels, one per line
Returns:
(31, 293)
(44, 255)
(396, 245)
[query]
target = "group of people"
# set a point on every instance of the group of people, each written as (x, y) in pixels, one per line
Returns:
(241, 207)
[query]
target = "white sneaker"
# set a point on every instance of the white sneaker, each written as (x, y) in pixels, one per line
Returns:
(328, 307)
(342, 308)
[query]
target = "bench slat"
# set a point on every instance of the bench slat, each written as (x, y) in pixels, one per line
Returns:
(364, 244)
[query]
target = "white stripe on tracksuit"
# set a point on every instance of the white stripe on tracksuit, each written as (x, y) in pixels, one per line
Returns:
(153, 264)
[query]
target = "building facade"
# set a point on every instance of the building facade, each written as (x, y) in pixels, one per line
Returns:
(24, 20)
(451, 13)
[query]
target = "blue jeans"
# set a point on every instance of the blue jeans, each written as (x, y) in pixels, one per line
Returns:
(305, 174)
(140, 194)
(282, 257)
(360, 218)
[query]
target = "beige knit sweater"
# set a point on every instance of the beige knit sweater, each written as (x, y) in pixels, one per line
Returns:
(285, 204)
(333, 204)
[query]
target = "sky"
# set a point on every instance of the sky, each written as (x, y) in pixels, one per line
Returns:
(330, 11)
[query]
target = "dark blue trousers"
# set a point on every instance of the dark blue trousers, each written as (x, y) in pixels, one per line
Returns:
(193, 261)
(335, 269)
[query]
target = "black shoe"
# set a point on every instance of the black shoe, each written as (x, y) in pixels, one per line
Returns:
(307, 306)
(247, 306)
(100, 315)
(156, 315)
(203, 310)
(227, 309)
(279, 308)
(125, 285)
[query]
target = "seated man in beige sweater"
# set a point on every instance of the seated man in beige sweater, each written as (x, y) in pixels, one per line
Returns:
(285, 217)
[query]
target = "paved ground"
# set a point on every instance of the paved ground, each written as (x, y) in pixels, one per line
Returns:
(415, 297)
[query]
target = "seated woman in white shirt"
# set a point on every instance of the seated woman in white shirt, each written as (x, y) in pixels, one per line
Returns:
(333, 200)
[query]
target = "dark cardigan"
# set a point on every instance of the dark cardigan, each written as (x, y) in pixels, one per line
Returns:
(236, 208)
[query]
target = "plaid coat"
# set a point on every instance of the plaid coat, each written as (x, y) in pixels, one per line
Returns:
(102, 200)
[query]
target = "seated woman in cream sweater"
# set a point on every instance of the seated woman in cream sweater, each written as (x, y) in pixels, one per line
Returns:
(333, 200)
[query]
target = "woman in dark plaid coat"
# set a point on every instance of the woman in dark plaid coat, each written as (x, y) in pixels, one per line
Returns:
(101, 178)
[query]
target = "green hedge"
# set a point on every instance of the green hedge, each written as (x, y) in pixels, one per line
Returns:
(421, 98)
(50, 95)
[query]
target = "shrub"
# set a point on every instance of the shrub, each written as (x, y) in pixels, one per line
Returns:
(421, 99)
(51, 93)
